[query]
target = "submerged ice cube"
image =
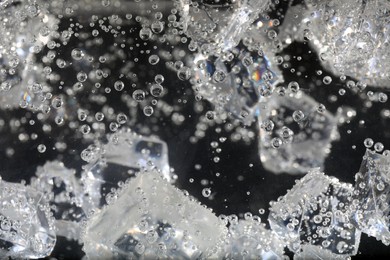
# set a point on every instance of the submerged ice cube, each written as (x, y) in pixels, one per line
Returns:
(237, 82)
(317, 211)
(149, 218)
(26, 228)
(120, 158)
(219, 25)
(351, 37)
(26, 27)
(295, 135)
(65, 195)
(250, 239)
(372, 196)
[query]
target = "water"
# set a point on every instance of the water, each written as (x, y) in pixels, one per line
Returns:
(169, 128)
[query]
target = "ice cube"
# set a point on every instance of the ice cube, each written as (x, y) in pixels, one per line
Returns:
(26, 228)
(317, 211)
(250, 239)
(65, 195)
(351, 37)
(372, 196)
(124, 154)
(149, 218)
(317, 253)
(26, 27)
(220, 26)
(300, 137)
(235, 84)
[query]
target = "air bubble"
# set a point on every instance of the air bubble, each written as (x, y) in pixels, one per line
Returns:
(139, 95)
(119, 85)
(41, 148)
(77, 54)
(368, 142)
(148, 110)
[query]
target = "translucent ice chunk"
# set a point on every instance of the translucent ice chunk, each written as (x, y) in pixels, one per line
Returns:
(351, 37)
(235, 84)
(149, 218)
(317, 211)
(372, 196)
(250, 239)
(26, 230)
(124, 154)
(65, 195)
(220, 25)
(300, 137)
(317, 253)
(26, 27)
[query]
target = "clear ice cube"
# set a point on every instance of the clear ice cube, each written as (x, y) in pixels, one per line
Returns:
(219, 25)
(304, 141)
(26, 28)
(237, 83)
(149, 218)
(65, 195)
(250, 239)
(372, 196)
(26, 228)
(317, 211)
(351, 37)
(125, 153)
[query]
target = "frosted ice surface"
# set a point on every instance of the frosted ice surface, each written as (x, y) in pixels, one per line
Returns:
(312, 134)
(124, 154)
(250, 239)
(65, 195)
(26, 230)
(372, 196)
(149, 218)
(317, 211)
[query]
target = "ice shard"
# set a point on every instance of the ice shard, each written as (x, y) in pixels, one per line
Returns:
(317, 211)
(295, 135)
(26, 228)
(149, 218)
(372, 196)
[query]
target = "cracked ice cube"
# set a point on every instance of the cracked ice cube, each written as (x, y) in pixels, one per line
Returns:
(26, 229)
(124, 154)
(304, 134)
(317, 211)
(150, 218)
(372, 196)
(65, 195)
(250, 239)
